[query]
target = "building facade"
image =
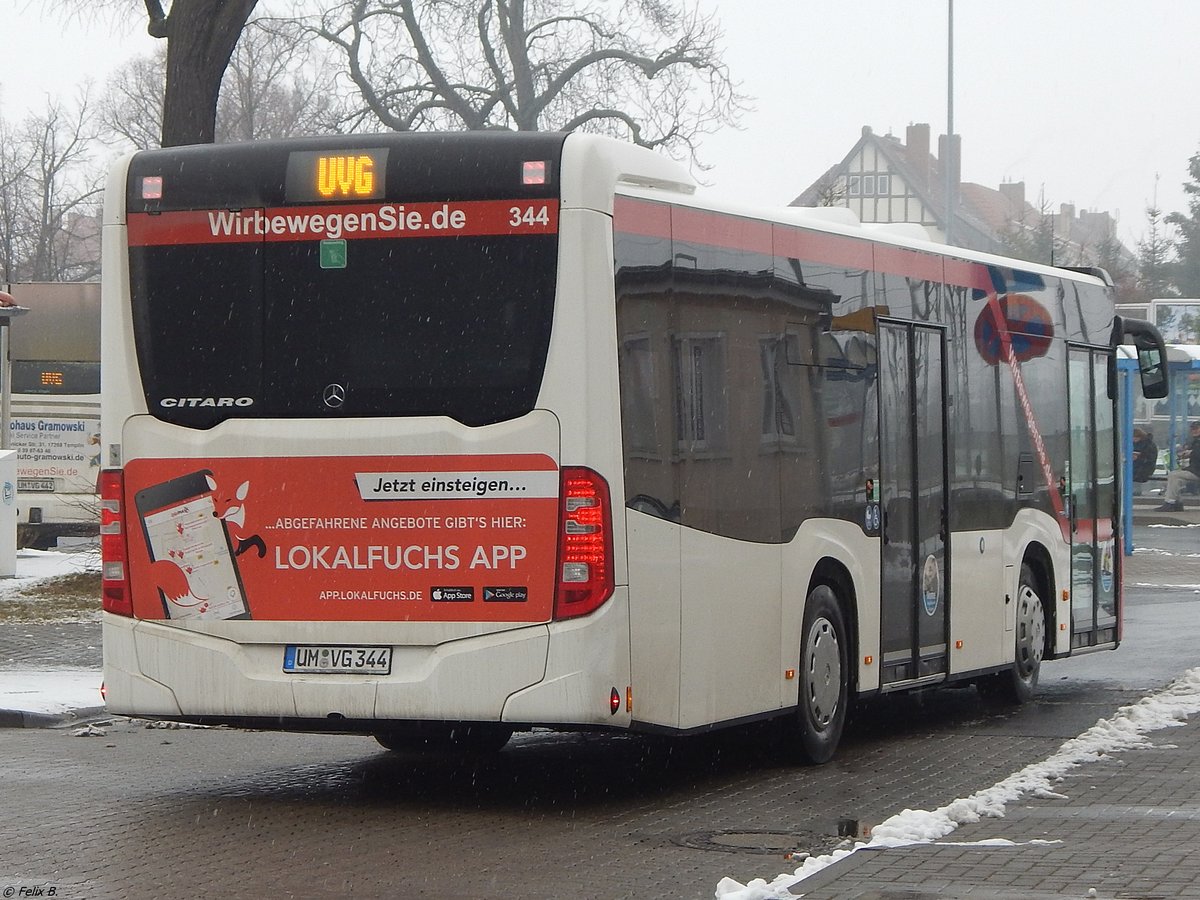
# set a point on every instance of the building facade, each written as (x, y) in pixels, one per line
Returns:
(885, 180)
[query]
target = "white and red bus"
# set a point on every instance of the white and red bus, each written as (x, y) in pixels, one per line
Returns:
(440, 436)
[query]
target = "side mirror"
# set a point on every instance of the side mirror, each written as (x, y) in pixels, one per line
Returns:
(1151, 354)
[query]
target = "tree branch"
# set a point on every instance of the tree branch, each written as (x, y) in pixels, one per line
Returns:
(441, 85)
(655, 73)
(156, 27)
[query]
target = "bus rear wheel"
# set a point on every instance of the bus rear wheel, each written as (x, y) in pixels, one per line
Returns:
(824, 691)
(471, 737)
(1018, 683)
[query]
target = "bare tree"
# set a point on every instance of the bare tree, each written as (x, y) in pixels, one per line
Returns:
(1114, 257)
(15, 161)
(49, 196)
(831, 188)
(132, 106)
(200, 36)
(648, 70)
(275, 86)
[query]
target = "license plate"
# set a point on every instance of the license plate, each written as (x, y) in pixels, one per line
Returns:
(40, 485)
(337, 660)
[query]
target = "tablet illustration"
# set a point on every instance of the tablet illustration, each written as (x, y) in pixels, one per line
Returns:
(193, 563)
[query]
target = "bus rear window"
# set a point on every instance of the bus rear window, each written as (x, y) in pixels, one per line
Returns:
(456, 326)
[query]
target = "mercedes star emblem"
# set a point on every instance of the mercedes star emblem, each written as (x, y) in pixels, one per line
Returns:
(334, 396)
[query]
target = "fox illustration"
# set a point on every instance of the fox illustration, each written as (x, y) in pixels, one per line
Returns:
(232, 510)
(172, 580)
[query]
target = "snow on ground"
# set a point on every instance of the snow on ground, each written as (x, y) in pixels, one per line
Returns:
(38, 565)
(52, 691)
(48, 690)
(1127, 729)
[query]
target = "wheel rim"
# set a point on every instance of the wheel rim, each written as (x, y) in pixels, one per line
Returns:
(1031, 632)
(823, 672)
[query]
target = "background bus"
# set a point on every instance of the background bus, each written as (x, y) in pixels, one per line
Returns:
(446, 435)
(1166, 418)
(55, 424)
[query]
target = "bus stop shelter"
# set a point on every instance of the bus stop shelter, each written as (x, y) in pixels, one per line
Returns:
(1167, 418)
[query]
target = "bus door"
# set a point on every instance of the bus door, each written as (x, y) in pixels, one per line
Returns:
(912, 491)
(1091, 497)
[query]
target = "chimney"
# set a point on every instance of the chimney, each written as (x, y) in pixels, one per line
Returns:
(1098, 223)
(953, 158)
(916, 139)
(1064, 222)
(1014, 192)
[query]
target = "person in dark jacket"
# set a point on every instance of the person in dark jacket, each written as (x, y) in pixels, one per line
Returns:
(1145, 457)
(1187, 473)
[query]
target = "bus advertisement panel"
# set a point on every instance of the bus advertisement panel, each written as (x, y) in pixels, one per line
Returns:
(56, 453)
(346, 539)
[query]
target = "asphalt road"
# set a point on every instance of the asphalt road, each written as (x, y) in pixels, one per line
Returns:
(206, 812)
(136, 811)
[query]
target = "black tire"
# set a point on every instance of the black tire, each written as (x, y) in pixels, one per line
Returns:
(824, 691)
(473, 738)
(1017, 684)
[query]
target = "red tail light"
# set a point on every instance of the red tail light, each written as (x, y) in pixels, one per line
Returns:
(585, 547)
(114, 570)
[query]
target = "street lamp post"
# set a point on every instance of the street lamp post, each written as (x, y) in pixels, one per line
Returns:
(947, 163)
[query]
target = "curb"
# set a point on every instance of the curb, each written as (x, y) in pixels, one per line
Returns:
(1161, 519)
(1151, 516)
(19, 718)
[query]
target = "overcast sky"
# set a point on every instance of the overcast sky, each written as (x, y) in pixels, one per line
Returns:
(1086, 101)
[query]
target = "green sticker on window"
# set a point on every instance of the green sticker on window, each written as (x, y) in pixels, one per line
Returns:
(333, 254)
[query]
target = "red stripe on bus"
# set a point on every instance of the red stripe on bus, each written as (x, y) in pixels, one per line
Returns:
(356, 222)
(816, 246)
(912, 263)
(697, 227)
(962, 273)
(639, 218)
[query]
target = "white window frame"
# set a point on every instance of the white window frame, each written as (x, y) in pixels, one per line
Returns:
(777, 404)
(699, 415)
(641, 426)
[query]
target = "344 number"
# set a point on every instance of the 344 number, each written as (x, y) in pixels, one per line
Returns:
(528, 215)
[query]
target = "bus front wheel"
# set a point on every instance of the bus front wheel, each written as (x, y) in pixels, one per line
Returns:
(1017, 684)
(824, 691)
